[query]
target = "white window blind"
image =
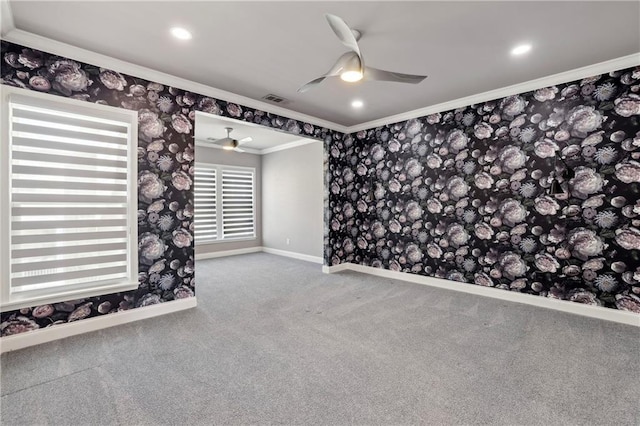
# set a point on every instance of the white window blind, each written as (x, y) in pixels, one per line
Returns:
(224, 203)
(71, 199)
(237, 203)
(206, 221)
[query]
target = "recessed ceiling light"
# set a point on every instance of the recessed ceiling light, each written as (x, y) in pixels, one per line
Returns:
(521, 49)
(357, 103)
(180, 33)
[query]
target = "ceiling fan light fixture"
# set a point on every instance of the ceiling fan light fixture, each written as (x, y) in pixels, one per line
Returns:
(350, 66)
(351, 76)
(230, 144)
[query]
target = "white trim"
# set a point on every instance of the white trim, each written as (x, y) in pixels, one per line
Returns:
(6, 18)
(5, 205)
(43, 335)
(294, 144)
(28, 300)
(68, 51)
(225, 253)
(559, 305)
(336, 268)
(538, 83)
(227, 241)
(258, 249)
(9, 95)
(300, 256)
(219, 172)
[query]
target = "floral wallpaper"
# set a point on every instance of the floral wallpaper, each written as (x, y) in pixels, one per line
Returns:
(464, 195)
(165, 174)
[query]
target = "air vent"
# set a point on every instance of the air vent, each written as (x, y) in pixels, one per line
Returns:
(275, 99)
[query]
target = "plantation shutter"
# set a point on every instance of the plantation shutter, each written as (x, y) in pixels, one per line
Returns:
(69, 196)
(224, 203)
(237, 203)
(206, 221)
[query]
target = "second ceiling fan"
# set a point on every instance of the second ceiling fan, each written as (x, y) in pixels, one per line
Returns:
(350, 66)
(230, 143)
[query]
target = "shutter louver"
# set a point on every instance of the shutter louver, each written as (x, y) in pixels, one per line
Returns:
(206, 228)
(68, 199)
(237, 204)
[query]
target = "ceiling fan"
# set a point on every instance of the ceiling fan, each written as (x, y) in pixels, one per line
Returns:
(230, 143)
(350, 66)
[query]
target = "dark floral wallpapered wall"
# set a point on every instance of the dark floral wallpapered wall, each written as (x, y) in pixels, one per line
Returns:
(460, 195)
(463, 195)
(165, 174)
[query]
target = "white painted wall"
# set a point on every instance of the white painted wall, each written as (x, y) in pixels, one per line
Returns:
(292, 199)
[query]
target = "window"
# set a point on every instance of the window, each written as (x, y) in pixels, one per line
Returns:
(224, 203)
(69, 226)
(206, 212)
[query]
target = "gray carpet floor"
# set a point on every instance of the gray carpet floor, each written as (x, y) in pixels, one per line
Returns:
(273, 340)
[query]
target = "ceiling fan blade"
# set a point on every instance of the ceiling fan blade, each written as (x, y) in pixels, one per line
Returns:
(245, 140)
(344, 33)
(239, 150)
(218, 141)
(311, 84)
(371, 73)
(349, 60)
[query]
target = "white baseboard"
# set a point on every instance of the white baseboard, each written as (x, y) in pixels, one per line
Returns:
(226, 253)
(306, 257)
(336, 268)
(599, 312)
(292, 254)
(43, 335)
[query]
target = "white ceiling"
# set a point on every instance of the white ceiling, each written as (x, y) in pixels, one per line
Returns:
(256, 48)
(263, 138)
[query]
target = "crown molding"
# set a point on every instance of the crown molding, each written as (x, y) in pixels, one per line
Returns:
(48, 45)
(83, 55)
(6, 18)
(563, 77)
(289, 145)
